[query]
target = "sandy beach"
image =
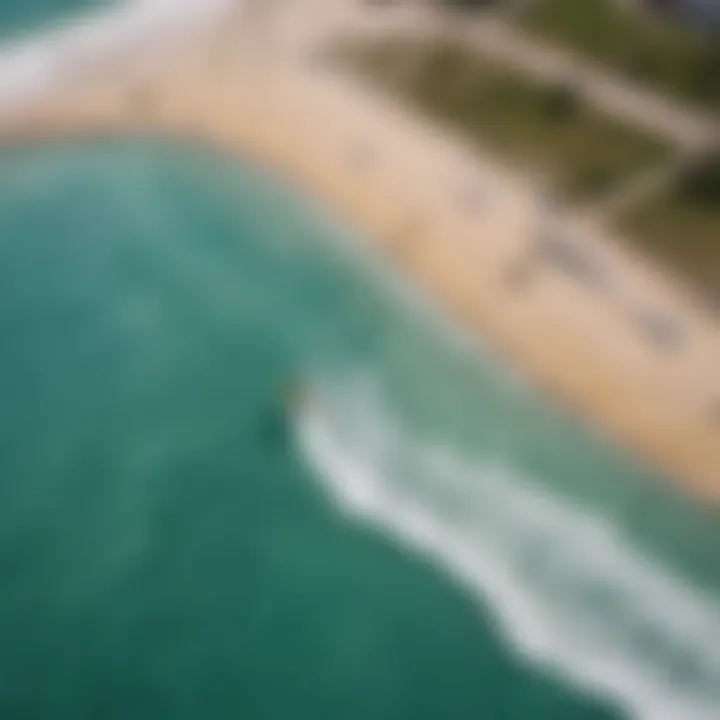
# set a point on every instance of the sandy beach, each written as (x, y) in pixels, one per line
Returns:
(464, 226)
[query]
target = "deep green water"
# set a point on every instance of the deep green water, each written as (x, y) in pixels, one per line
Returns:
(421, 537)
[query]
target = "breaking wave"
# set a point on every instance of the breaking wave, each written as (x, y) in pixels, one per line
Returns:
(567, 588)
(45, 58)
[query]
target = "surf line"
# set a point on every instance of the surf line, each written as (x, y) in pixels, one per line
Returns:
(567, 589)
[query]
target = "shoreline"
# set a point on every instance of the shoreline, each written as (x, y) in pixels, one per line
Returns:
(37, 62)
(455, 222)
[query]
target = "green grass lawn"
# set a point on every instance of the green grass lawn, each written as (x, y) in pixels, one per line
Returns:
(682, 228)
(546, 128)
(662, 55)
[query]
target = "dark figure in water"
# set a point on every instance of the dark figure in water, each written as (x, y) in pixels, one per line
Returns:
(275, 425)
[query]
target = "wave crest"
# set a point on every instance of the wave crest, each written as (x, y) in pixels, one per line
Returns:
(566, 587)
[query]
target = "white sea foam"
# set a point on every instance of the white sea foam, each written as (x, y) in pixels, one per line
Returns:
(567, 587)
(31, 65)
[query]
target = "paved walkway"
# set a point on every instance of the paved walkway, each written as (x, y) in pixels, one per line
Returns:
(617, 96)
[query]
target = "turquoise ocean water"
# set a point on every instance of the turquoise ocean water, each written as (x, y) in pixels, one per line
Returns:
(21, 16)
(417, 535)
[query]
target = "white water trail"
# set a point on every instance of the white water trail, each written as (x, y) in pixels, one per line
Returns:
(36, 62)
(566, 587)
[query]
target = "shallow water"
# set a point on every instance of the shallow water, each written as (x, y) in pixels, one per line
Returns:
(21, 16)
(416, 534)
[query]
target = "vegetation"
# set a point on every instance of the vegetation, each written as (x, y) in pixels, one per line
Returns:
(665, 56)
(548, 128)
(471, 4)
(682, 226)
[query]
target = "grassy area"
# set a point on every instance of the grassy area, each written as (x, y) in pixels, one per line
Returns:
(547, 128)
(662, 55)
(682, 228)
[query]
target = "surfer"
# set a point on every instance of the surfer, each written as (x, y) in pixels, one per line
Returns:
(294, 397)
(275, 426)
